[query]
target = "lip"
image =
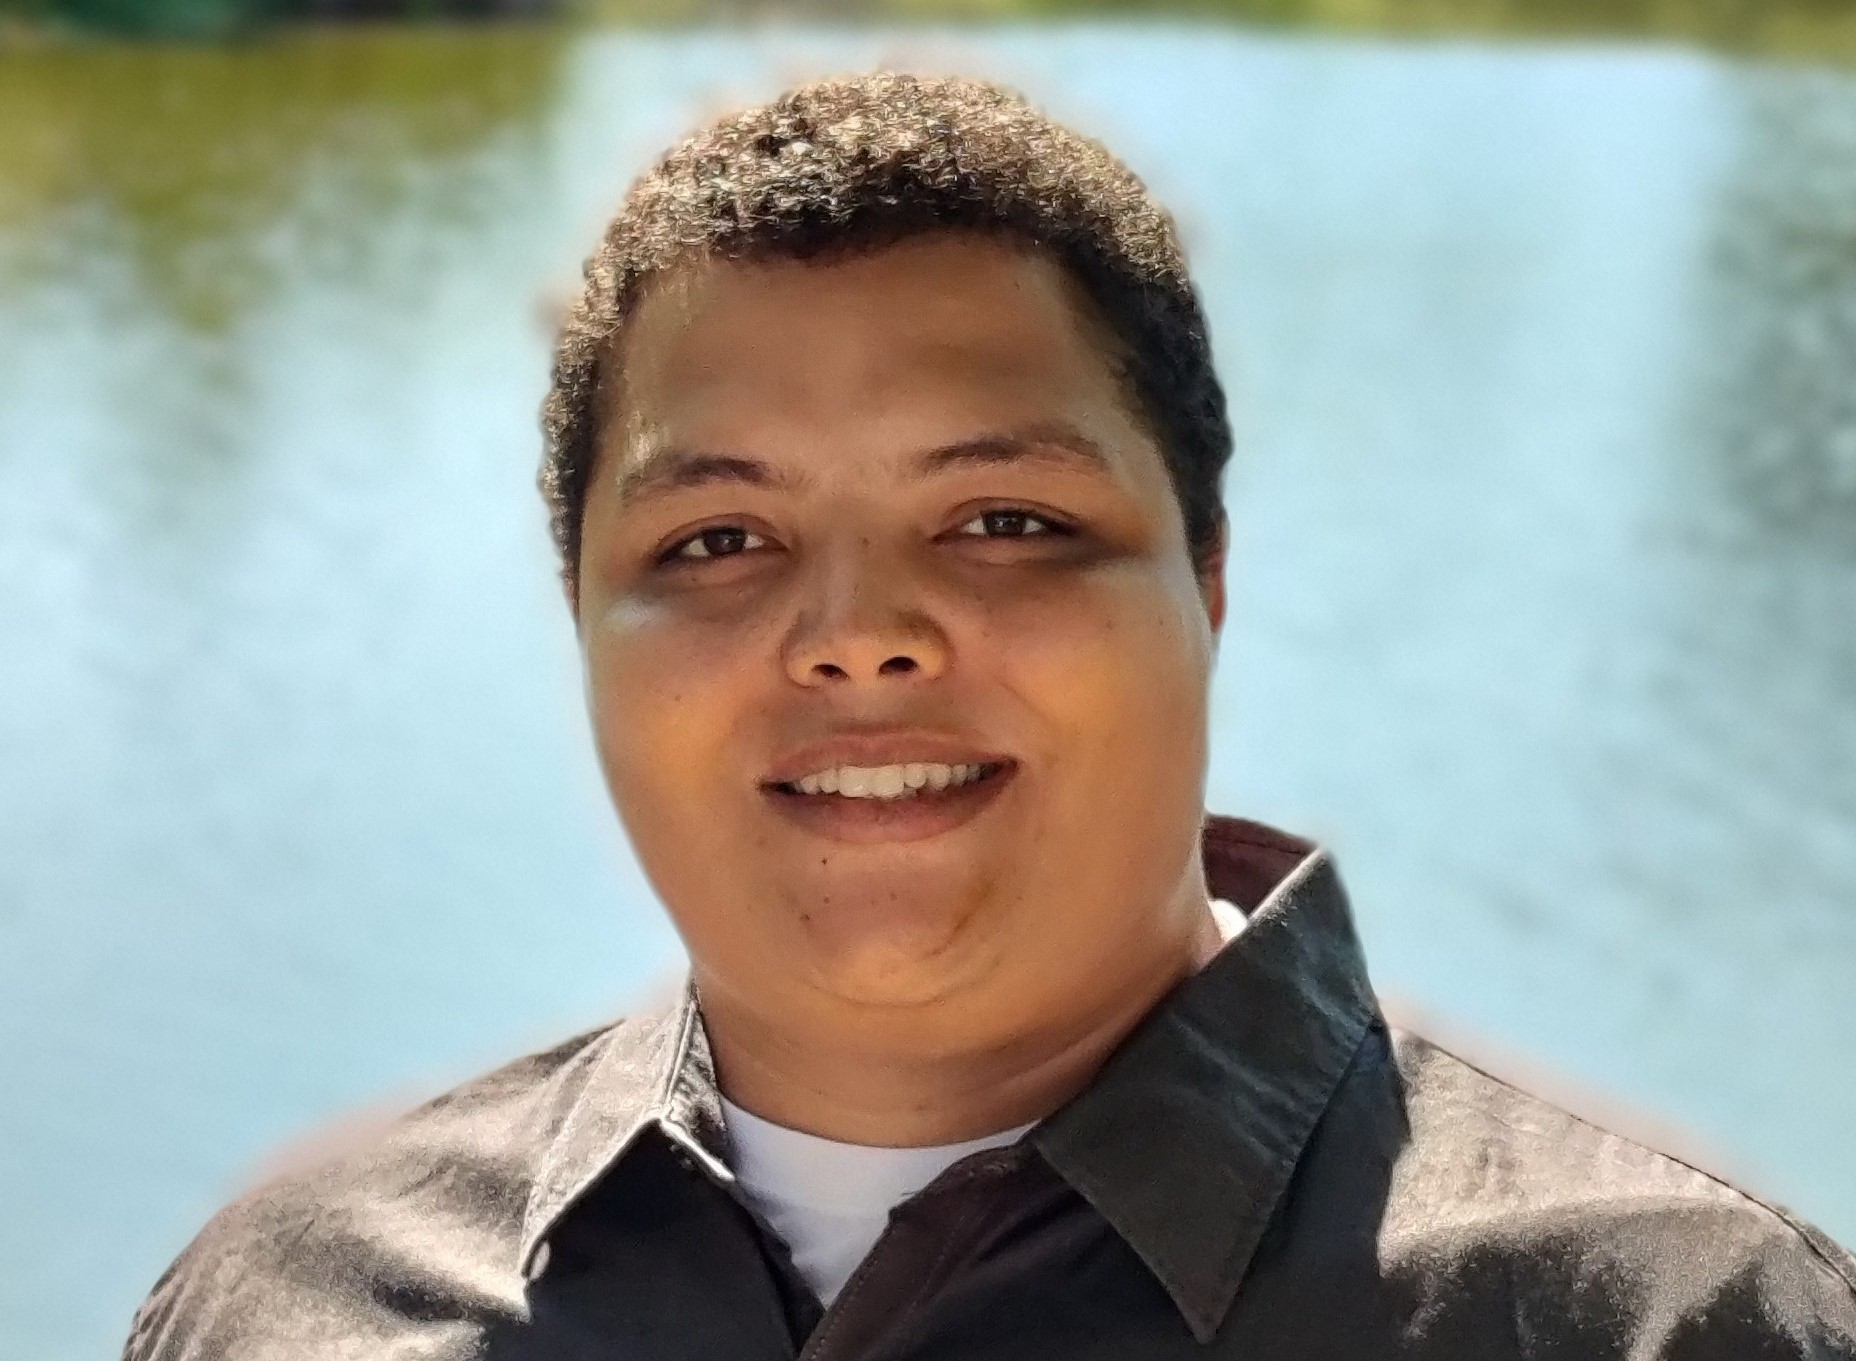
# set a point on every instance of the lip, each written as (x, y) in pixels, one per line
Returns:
(895, 747)
(869, 822)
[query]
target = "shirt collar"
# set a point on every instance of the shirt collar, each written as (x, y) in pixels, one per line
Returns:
(1184, 1141)
(1187, 1137)
(653, 1073)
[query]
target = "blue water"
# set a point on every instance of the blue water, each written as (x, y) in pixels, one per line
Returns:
(1544, 366)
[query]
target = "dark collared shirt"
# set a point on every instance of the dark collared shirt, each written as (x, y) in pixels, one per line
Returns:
(1262, 1170)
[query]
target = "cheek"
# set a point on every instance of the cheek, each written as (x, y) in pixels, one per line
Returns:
(1123, 662)
(1116, 684)
(663, 699)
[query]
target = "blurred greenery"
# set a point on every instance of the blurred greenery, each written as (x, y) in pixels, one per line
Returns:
(1808, 28)
(227, 18)
(209, 168)
(1821, 28)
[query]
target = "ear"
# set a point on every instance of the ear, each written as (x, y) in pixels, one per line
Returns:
(1211, 575)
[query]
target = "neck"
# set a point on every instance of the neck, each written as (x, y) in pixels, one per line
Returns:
(870, 1080)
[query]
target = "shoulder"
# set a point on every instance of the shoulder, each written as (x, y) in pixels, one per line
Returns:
(421, 1216)
(1583, 1233)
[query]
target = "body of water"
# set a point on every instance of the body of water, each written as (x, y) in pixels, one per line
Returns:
(1544, 589)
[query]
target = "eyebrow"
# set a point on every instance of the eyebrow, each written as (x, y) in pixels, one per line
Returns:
(1049, 442)
(680, 469)
(675, 469)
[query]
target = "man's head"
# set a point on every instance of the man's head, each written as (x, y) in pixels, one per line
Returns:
(885, 447)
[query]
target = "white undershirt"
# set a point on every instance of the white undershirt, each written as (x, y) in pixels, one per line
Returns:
(830, 1201)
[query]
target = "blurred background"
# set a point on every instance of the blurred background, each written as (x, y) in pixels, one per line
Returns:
(1539, 318)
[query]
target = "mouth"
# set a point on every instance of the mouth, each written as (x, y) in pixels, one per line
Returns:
(900, 801)
(891, 783)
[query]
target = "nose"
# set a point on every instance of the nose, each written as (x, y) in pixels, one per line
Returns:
(861, 624)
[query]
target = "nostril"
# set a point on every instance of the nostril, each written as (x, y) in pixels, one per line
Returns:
(894, 666)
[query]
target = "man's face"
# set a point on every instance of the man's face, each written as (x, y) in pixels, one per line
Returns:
(887, 522)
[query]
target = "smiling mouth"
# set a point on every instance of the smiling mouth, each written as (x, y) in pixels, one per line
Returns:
(891, 783)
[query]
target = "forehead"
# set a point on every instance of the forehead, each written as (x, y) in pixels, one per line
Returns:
(960, 332)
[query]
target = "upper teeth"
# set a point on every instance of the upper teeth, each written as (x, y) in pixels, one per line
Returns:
(886, 782)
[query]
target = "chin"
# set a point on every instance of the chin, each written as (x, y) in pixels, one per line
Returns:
(910, 960)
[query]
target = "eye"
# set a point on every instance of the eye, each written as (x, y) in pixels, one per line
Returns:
(1010, 524)
(717, 541)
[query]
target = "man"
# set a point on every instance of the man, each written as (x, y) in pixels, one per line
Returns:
(884, 451)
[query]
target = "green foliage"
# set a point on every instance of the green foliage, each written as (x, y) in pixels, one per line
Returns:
(221, 18)
(165, 18)
(1821, 29)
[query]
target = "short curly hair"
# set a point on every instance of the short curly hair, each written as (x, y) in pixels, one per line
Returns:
(852, 164)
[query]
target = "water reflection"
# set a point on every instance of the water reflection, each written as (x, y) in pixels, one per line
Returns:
(1780, 311)
(209, 176)
(1740, 680)
(172, 214)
